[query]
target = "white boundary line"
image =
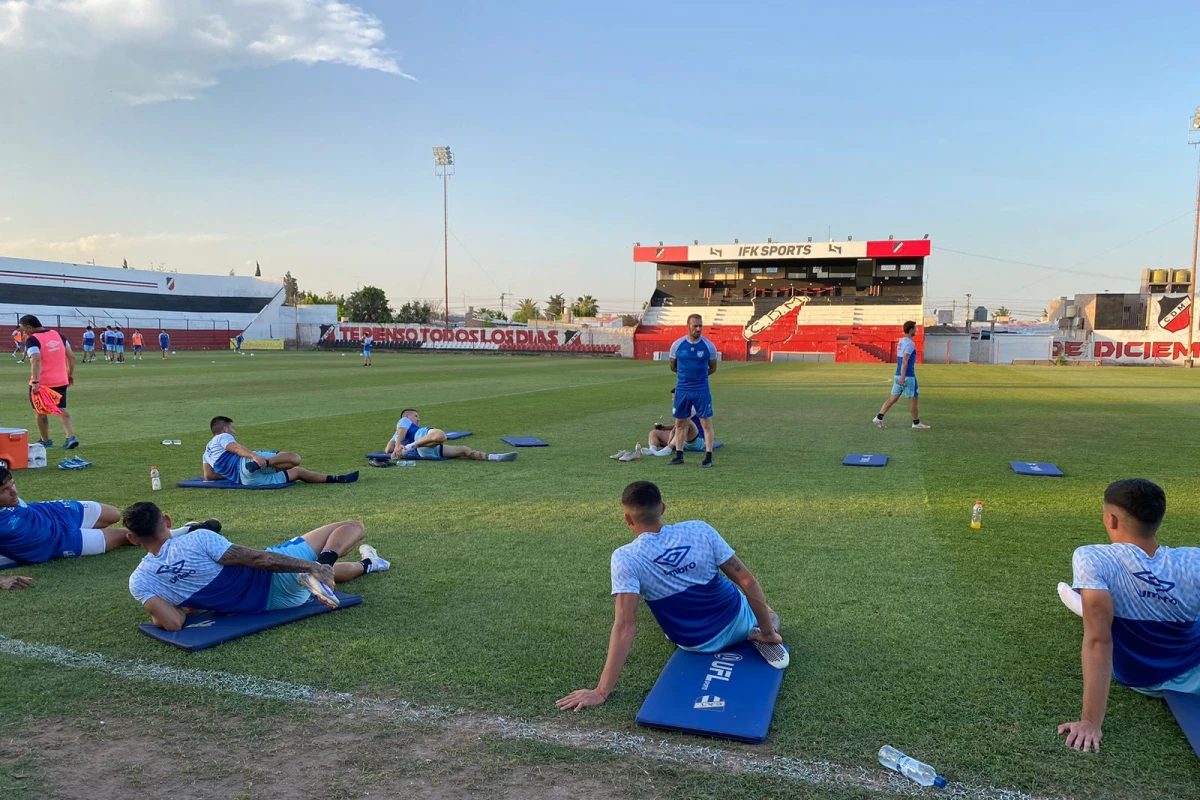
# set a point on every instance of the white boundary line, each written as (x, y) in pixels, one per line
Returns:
(821, 773)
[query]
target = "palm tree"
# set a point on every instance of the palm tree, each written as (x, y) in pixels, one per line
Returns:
(555, 306)
(585, 306)
(1002, 312)
(527, 309)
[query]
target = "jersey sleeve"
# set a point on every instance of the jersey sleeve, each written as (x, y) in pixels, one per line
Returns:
(675, 349)
(211, 544)
(1089, 568)
(721, 550)
(624, 575)
(225, 439)
(712, 350)
(32, 345)
(140, 587)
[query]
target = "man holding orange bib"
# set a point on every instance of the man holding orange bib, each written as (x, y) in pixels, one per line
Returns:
(52, 365)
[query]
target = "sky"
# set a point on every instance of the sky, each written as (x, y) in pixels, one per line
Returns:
(1042, 146)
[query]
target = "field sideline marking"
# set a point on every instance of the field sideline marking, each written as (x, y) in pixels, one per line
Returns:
(548, 732)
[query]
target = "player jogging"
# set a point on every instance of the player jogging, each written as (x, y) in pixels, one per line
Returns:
(164, 342)
(119, 344)
(89, 345)
(367, 342)
(18, 345)
(410, 437)
(693, 359)
(51, 364)
(137, 345)
(225, 577)
(705, 600)
(905, 381)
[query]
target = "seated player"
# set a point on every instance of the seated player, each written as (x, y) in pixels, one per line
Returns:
(205, 571)
(691, 580)
(225, 459)
(34, 533)
(1140, 603)
(411, 438)
(660, 440)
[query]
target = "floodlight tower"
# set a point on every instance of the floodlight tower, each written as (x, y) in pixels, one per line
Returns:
(1194, 139)
(443, 167)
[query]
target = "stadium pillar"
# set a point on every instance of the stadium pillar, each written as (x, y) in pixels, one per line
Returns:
(1191, 362)
(443, 167)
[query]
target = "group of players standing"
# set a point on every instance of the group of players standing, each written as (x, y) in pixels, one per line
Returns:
(112, 344)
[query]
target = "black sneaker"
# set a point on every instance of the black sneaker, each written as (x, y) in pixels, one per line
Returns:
(678, 459)
(707, 462)
(213, 525)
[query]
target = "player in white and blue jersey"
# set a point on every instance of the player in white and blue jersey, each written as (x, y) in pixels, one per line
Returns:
(367, 342)
(225, 459)
(119, 344)
(164, 343)
(702, 595)
(89, 345)
(905, 382)
(693, 359)
(1140, 603)
(411, 437)
(204, 570)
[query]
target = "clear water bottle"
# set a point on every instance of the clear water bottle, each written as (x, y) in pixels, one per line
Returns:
(155, 479)
(37, 456)
(977, 515)
(923, 774)
(406, 463)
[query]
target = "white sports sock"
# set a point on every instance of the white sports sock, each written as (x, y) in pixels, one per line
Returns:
(179, 531)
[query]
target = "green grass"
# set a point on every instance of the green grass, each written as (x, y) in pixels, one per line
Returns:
(907, 627)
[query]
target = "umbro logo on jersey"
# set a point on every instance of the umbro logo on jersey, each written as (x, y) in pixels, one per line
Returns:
(673, 557)
(1162, 589)
(177, 570)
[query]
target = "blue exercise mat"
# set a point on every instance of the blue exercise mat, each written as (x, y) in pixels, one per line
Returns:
(864, 460)
(413, 457)
(1041, 469)
(727, 695)
(451, 435)
(524, 441)
(200, 483)
(7, 563)
(205, 629)
(1186, 708)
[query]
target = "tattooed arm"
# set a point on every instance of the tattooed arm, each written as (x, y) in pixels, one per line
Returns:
(736, 571)
(238, 556)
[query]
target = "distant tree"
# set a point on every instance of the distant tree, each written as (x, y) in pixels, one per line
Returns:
(585, 306)
(527, 309)
(414, 312)
(257, 270)
(555, 306)
(631, 320)
(328, 299)
(1002, 312)
(231, 273)
(291, 290)
(124, 263)
(368, 304)
(490, 313)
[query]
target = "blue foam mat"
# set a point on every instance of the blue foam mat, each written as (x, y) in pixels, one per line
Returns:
(200, 483)
(452, 435)
(205, 629)
(1040, 469)
(726, 695)
(524, 441)
(1186, 708)
(865, 460)
(413, 457)
(7, 563)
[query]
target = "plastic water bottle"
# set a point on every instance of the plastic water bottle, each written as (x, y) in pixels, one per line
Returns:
(923, 774)
(406, 463)
(155, 479)
(977, 515)
(37, 456)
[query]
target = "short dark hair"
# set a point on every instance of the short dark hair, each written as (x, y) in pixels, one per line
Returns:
(405, 411)
(30, 320)
(909, 327)
(143, 519)
(643, 500)
(5, 475)
(219, 422)
(1141, 499)
(695, 316)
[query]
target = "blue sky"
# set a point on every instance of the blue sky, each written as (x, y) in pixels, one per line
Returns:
(208, 135)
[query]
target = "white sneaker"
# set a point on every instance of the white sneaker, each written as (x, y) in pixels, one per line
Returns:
(775, 654)
(378, 564)
(878, 422)
(617, 456)
(630, 456)
(319, 590)
(1070, 598)
(920, 426)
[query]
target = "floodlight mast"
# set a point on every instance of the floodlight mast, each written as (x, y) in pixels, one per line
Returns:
(443, 167)
(1194, 139)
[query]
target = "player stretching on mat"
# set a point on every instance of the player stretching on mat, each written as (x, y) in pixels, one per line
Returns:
(905, 381)
(693, 359)
(660, 440)
(690, 579)
(206, 571)
(410, 437)
(33, 533)
(1140, 603)
(225, 459)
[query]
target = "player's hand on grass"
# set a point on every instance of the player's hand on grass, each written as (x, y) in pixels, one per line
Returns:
(324, 573)
(15, 582)
(767, 638)
(580, 699)
(1082, 735)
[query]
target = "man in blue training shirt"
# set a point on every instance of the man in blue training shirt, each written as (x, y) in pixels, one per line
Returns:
(225, 459)
(238, 342)
(905, 381)
(164, 343)
(89, 345)
(1140, 603)
(367, 342)
(690, 579)
(204, 570)
(34, 533)
(119, 344)
(693, 359)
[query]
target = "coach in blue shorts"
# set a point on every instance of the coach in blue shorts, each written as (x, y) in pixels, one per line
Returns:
(693, 359)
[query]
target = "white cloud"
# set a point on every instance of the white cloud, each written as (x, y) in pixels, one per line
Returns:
(152, 51)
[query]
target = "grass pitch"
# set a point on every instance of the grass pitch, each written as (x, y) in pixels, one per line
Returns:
(907, 627)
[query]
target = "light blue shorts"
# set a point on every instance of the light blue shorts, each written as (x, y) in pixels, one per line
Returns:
(89, 348)
(695, 445)
(426, 452)
(119, 348)
(286, 591)
(736, 631)
(266, 476)
(908, 388)
(1187, 683)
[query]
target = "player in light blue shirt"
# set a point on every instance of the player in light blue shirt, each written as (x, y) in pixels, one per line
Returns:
(367, 342)
(204, 570)
(693, 359)
(225, 459)
(119, 344)
(411, 437)
(1140, 603)
(89, 345)
(905, 381)
(702, 595)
